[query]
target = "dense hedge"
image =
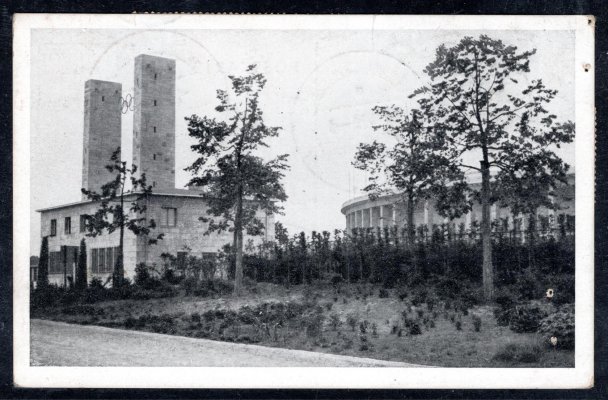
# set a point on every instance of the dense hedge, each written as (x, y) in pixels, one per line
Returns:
(525, 264)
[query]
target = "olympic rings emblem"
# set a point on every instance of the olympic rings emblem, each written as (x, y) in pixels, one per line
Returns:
(126, 103)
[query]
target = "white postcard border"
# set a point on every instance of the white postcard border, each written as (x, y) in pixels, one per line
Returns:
(226, 377)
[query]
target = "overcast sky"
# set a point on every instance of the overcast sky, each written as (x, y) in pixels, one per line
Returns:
(320, 90)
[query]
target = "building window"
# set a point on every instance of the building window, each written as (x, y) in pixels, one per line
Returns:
(153, 183)
(154, 129)
(154, 103)
(103, 98)
(103, 260)
(155, 76)
(53, 227)
(154, 156)
(83, 223)
(67, 225)
(168, 216)
(110, 259)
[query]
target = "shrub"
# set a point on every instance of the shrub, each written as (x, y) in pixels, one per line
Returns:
(374, 330)
(415, 329)
(563, 285)
(195, 317)
(560, 325)
(142, 275)
(383, 293)
(171, 277)
(420, 297)
(130, 323)
(528, 286)
(351, 320)
(189, 285)
(525, 353)
(363, 326)
(314, 325)
(348, 343)
(334, 322)
(247, 315)
(458, 325)
(526, 318)
(476, 323)
(503, 316)
(364, 345)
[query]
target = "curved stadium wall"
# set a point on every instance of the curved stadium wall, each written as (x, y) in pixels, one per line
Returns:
(391, 210)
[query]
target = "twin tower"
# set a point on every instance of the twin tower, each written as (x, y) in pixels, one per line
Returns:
(153, 105)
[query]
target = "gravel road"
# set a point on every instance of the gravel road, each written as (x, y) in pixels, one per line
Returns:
(60, 344)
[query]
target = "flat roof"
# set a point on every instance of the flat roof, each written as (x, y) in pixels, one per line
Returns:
(162, 192)
(561, 191)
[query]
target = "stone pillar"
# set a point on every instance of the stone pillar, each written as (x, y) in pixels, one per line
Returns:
(366, 218)
(400, 214)
(388, 216)
(375, 217)
(359, 218)
(551, 215)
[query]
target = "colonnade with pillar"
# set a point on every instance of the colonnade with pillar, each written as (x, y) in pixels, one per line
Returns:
(388, 215)
(380, 216)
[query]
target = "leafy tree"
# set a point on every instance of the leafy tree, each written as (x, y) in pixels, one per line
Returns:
(411, 166)
(236, 182)
(115, 212)
(477, 105)
(81, 273)
(43, 265)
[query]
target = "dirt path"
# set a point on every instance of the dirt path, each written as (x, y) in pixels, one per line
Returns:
(61, 344)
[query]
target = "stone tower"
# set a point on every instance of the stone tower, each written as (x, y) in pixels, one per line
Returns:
(154, 120)
(102, 124)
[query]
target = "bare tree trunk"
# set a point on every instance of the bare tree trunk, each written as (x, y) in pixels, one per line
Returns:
(118, 266)
(411, 223)
(486, 232)
(238, 227)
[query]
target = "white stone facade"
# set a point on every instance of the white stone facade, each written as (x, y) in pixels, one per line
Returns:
(186, 234)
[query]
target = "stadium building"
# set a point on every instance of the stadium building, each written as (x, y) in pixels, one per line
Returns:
(391, 210)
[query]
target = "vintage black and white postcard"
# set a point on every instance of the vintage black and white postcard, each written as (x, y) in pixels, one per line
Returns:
(303, 201)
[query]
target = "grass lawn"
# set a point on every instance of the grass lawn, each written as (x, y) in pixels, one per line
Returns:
(439, 343)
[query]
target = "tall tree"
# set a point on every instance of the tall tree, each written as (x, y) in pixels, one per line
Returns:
(81, 272)
(411, 166)
(236, 182)
(116, 212)
(477, 105)
(43, 265)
